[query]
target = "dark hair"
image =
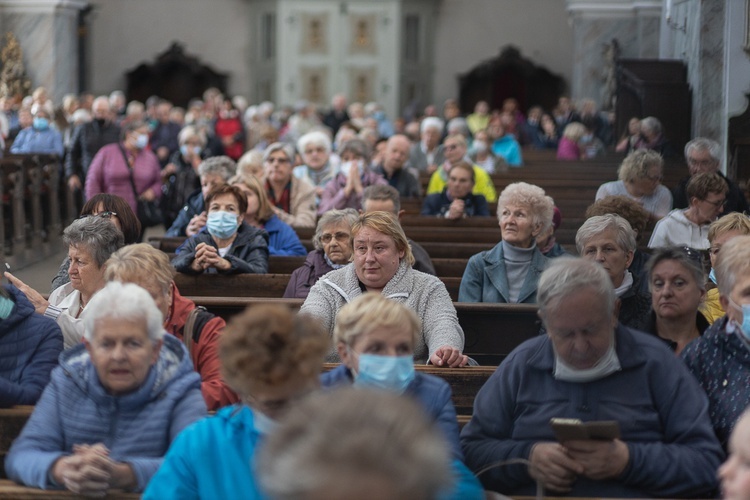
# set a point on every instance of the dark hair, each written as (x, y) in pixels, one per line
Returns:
(131, 226)
(227, 189)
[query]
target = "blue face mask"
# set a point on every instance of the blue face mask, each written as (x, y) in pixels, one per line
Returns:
(6, 307)
(744, 328)
(222, 224)
(391, 373)
(141, 141)
(712, 276)
(186, 150)
(40, 123)
(262, 423)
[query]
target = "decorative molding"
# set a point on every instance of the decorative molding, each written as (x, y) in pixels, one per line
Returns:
(42, 5)
(746, 45)
(613, 8)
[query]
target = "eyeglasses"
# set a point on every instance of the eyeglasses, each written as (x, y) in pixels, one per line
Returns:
(340, 237)
(104, 215)
(717, 203)
(654, 178)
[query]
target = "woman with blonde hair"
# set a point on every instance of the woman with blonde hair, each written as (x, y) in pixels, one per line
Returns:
(382, 263)
(282, 240)
(568, 147)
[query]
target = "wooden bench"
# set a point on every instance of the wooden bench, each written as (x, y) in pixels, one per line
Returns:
(11, 490)
(491, 331)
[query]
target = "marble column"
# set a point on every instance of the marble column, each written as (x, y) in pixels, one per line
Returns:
(47, 33)
(708, 84)
(633, 23)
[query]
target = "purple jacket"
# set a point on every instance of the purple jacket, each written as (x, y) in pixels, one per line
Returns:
(568, 150)
(109, 173)
(304, 277)
(333, 195)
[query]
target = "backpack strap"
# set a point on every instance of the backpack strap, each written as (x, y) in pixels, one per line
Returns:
(196, 320)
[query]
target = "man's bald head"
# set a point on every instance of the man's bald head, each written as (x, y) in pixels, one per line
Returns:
(396, 152)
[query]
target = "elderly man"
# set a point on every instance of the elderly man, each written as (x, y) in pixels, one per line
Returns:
(89, 138)
(40, 138)
(653, 138)
(589, 367)
(164, 137)
(386, 199)
(392, 169)
(704, 155)
(427, 154)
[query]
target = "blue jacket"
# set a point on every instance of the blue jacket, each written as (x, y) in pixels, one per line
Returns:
(434, 395)
(210, 459)
(136, 428)
(485, 278)
(29, 347)
(662, 412)
(31, 140)
(282, 240)
(194, 206)
(507, 147)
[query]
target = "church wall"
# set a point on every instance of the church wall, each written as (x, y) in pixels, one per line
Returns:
(470, 31)
(127, 33)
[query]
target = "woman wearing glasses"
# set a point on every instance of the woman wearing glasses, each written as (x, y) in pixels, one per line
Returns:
(114, 209)
(707, 193)
(333, 250)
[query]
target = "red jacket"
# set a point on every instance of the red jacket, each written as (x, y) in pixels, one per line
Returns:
(205, 353)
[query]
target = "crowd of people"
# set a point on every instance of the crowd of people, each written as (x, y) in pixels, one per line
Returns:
(647, 340)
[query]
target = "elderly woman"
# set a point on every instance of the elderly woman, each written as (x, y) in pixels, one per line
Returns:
(315, 148)
(180, 175)
(113, 406)
(90, 242)
(382, 263)
(293, 199)
(195, 327)
(40, 138)
(719, 233)
(333, 250)
(677, 285)
(457, 201)
(346, 188)
(213, 172)
(610, 241)
(271, 358)
(734, 474)
(128, 168)
(640, 179)
(510, 271)
(720, 359)
(228, 245)
(591, 368)
(707, 193)
(282, 240)
(454, 148)
(114, 209)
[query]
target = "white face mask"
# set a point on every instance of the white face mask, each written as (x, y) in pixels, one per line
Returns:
(357, 165)
(263, 423)
(607, 365)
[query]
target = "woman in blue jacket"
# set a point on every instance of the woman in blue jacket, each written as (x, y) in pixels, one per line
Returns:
(113, 406)
(282, 240)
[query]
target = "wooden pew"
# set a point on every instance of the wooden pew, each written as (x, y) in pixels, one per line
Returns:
(11, 490)
(258, 285)
(12, 421)
(491, 331)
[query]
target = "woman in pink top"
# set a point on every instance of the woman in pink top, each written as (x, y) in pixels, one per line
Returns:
(112, 166)
(568, 148)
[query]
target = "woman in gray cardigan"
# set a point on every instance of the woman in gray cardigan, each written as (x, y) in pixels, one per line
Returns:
(382, 263)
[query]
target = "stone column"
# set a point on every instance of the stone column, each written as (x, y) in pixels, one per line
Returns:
(47, 33)
(633, 23)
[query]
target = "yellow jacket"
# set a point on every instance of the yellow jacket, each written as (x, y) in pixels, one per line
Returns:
(482, 183)
(711, 307)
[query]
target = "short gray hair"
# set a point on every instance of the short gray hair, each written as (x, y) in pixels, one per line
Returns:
(458, 125)
(704, 144)
(431, 122)
(223, 166)
(287, 149)
(125, 301)
(98, 236)
(316, 138)
(652, 124)
(540, 206)
(330, 218)
(188, 132)
(599, 223)
(357, 146)
(733, 261)
(567, 275)
(382, 192)
(400, 444)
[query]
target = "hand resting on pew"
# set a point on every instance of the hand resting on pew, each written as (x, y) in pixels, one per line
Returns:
(90, 471)
(449, 356)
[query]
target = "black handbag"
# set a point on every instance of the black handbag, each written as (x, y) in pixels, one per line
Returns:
(148, 212)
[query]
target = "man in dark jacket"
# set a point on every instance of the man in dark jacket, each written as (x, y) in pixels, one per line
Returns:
(29, 347)
(87, 139)
(704, 155)
(393, 168)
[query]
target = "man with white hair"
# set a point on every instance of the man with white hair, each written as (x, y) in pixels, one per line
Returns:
(393, 169)
(426, 155)
(589, 368)
(703, 155)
